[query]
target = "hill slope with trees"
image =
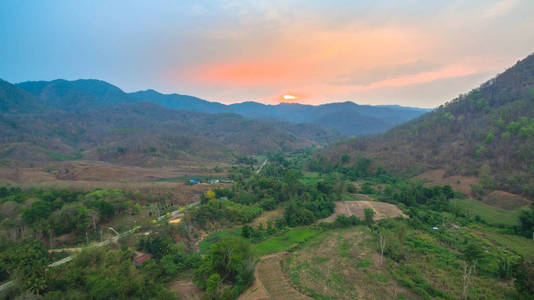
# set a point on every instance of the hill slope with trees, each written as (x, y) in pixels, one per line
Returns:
(488, 133)
(138, 133)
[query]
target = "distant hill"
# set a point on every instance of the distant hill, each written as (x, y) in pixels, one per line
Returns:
(16, 100)
(76, 95)
(487, 133)
(141, 134)
(347, 118)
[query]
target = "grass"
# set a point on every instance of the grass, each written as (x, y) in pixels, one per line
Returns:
(517, 244)
(284, 241)
(490, 214)
(430, 267)
(63, 157)
(214, 237)
(310, 177)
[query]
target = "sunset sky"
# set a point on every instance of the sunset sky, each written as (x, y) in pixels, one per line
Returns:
(409, 52)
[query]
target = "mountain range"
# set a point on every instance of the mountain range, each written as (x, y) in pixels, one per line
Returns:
(92, 119)
(347, 118)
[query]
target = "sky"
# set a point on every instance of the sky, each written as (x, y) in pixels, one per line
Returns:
(411, 52)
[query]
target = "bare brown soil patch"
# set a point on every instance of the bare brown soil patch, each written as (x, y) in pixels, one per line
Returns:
(88, 175)
(457, 182)
(356, 208)
(186, 290)
(505, 200)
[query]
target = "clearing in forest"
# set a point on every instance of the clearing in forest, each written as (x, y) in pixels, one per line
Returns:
(356, 208)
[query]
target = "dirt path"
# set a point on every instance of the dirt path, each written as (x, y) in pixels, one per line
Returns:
(271, 282)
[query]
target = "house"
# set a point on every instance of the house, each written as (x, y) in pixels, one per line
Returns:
(194, 181)
(213, 181)
(140, 260)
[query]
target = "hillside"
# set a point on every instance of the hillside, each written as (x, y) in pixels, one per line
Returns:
(17, 100)
(140, 134)
(487, 133)
(93, 126)
(76, 95)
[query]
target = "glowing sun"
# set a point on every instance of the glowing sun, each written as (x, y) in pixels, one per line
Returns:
(288, 97)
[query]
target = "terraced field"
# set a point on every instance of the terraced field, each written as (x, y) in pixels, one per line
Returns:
(275, 281)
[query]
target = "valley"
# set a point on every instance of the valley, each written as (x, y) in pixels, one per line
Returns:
(287, 184)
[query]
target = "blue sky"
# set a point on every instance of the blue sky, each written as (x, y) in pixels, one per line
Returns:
(417, 53)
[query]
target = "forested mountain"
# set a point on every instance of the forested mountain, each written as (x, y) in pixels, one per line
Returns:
(17, 100)
(488, 132)
(140, 133)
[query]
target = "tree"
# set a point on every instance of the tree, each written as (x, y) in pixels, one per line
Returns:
(526, 222)
(524, 279)
(381, 244)
(230, 260)
(466, 279)
(473, 253)
(27, 263)
(246, 231)
(210, 194)
(212, 284)
(369, 216)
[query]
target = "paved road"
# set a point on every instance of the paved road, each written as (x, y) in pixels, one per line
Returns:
(261, 167)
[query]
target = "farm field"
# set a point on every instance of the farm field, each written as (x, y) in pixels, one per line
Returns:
(356, 208)
(343, 264)
(490, 214)
(283, 241)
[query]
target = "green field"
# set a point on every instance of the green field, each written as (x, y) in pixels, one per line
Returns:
(64, 157)
(490, 214)
(283, 242)
(515, 243)
(214, 237)
(309, 177)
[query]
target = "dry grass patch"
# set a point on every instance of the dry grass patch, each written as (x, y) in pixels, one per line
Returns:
(268, 215)
(505, 200)
(186, 290)
(457, 182)
(343, 264)
(356, 208)
(275, 281)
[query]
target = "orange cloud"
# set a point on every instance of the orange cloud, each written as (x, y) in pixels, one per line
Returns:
(250, 72)
(423, 77)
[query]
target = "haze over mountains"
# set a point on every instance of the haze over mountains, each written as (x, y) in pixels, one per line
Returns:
(347, 118)
(60, 119)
